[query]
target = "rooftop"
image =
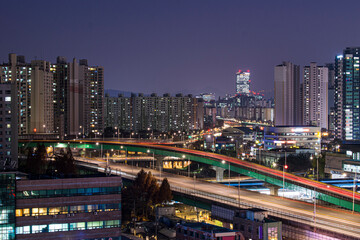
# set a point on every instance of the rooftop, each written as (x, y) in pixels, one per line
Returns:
(206, 227)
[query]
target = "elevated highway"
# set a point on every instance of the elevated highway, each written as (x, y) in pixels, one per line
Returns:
(340, 224)
(335, 195)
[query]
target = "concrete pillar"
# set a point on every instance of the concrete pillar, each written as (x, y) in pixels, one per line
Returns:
(274, 190)
(219, 173)
(159, 161)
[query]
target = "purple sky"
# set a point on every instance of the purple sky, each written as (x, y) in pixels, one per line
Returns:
(181, 46)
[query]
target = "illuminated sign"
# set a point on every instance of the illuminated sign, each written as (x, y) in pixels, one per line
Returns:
(300, 130)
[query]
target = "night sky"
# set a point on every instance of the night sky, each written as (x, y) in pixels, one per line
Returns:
(188, 46)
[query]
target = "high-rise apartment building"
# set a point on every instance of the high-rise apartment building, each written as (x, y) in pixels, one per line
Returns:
(347, 94)
(41, 98)
(64, 98)
(315, 95)
(8, 126)
(243, 82)
(91, 88)
(338, 97)
(161, 113)
(331, 97)
(17, 71)
(287, 94)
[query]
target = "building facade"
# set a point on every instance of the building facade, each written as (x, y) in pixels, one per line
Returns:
(81, 208)
(243, 82)
(292, 136)
(160, 113)
(338, 97)
(64, 98)
(287, 94)
(315, 95)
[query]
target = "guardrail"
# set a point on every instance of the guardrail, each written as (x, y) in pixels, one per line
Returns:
(273, 211)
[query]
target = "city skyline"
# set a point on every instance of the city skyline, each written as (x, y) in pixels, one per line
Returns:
(187, 47)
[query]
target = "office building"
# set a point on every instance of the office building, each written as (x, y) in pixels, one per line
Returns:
(287, 95)
(243, 82)
(292, 136)
(158, 113)
(315, 95)
(199, 230)
(81, 208)
(347, 91)
(250, 223)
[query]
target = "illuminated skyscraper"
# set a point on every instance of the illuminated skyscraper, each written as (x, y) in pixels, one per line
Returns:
(243, 82)
(347, 94)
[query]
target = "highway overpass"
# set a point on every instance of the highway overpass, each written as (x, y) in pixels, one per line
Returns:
(328, 193)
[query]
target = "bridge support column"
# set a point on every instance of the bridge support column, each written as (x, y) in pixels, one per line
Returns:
(219, 173)
(274, 190)
(159, 162)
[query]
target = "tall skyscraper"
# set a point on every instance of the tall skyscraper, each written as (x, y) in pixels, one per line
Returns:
(347, 94)
(287, 94)
(315, 95)
(243, 82)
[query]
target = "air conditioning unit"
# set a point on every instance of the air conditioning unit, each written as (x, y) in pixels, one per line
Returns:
(54, 216)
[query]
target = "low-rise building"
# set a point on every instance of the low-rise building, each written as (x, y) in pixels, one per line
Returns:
(198, 230)
(69, 208)
(251, 223)
(292, 136)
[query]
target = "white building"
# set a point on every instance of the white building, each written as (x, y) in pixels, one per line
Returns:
(243, 82)
(315, 95)
(292, 136)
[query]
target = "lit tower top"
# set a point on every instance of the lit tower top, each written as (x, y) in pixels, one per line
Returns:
(243, 82)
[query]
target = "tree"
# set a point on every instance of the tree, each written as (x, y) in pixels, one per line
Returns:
(64, 163)
(298, 162)
(141, 197)
(165, 194)
(319, 162)
(36, 161)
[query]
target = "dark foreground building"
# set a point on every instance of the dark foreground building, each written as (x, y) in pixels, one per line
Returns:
(70, 208)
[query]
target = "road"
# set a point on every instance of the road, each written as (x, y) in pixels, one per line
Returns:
(334, 220)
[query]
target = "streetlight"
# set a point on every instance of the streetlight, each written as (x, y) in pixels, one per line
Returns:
(355, 179)
(153, 163)
(116, 128)
(284, 167)
(239, 189)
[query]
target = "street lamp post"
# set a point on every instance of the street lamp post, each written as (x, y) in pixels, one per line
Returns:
(354, 187)
(239, 190)
(284, 167)
(229, 174)
(314, 210)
